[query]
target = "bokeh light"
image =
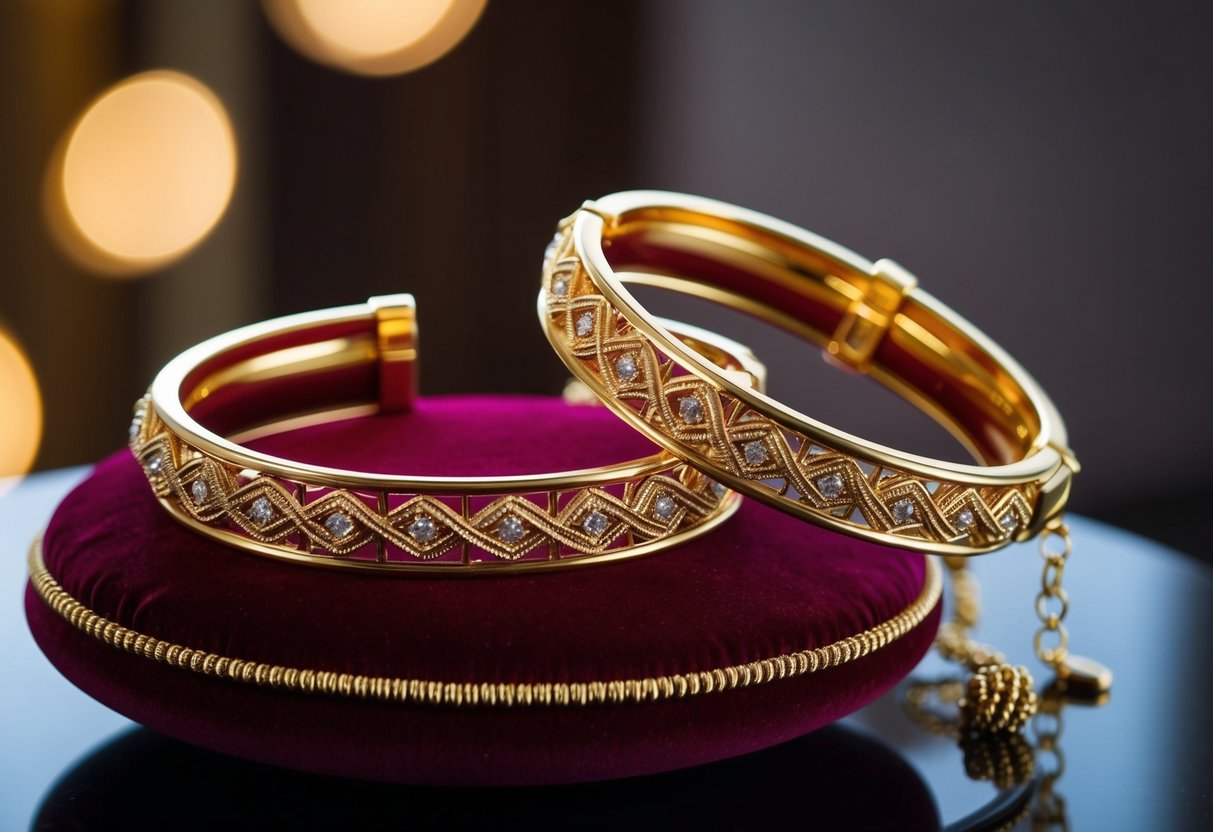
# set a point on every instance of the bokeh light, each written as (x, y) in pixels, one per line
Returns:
(20, 413)
(374, 37)
(144, 175)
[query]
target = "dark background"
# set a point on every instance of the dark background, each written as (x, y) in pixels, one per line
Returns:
(1043, 168)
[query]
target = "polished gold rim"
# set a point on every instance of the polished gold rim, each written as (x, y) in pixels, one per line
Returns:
(437, 692)
(730, 429)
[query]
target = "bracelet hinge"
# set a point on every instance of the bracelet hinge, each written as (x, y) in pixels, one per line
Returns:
(396, 343)
(869, 317)
(1053, 495)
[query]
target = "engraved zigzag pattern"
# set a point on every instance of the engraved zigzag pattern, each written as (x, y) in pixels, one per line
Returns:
(751, 446)
(174, 467)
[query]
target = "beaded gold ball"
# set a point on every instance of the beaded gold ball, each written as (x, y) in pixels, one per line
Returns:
(998, 697)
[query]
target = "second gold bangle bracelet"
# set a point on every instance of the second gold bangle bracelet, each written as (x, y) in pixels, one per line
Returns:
(868, 317)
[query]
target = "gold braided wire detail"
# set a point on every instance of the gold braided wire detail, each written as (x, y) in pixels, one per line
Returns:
(750, 445)
(428, 692)
(227, 494)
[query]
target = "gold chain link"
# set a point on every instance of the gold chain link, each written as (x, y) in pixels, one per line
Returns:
(1052, 603)
(954, 642)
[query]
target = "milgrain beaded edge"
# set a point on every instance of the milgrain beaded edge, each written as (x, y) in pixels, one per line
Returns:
(507, 694)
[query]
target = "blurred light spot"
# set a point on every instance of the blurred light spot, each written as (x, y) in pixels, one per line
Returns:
(144, 175)
(20, 413)
(374, 37)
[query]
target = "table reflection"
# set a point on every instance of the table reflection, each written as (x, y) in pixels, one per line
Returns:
(835, 778)
(1007, 760)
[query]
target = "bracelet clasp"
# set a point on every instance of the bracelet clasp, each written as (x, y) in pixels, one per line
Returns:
(869, 317)
(396, 341)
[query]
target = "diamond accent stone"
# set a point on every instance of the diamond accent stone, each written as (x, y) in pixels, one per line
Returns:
(511, 529)
(830, 486)
(903, 512)
(423, 529)
(1009, 522)
(964, 519)
(664, 507)
(261, 512)
(200, 490)
(755, 452)
(690, 409)
(719, 489)
(155, 464)
(339, 524)
(136, 426)
(585, 324)
(560, 286)
(626, 369)
(595, 523)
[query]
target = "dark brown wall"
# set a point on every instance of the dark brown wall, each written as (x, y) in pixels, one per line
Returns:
(448, 182)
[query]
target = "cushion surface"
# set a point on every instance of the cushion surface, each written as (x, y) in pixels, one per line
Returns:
(761, 586)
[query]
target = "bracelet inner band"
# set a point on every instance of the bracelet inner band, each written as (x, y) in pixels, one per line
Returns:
(889, 330)
(314, 366)
(310, 366)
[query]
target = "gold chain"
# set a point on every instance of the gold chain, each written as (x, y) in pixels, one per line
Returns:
(953, 640)
(998, 697)
(1005, 758)
(1052, 603)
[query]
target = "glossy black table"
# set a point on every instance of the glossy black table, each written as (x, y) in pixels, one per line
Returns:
(1141, 760)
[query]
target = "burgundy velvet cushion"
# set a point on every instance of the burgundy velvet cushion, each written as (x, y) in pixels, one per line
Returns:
(762, 585)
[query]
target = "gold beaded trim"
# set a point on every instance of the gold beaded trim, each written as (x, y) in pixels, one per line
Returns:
(427, 692)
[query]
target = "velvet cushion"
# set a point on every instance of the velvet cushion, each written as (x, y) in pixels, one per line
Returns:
(762, 585)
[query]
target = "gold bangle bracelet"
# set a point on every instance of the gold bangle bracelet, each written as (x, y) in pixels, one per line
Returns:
(355, 360)
(868, 317)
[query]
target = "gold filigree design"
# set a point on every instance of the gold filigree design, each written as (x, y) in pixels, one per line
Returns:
(998, 698)
(504, 694)
(275, 512)
(719, 431)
